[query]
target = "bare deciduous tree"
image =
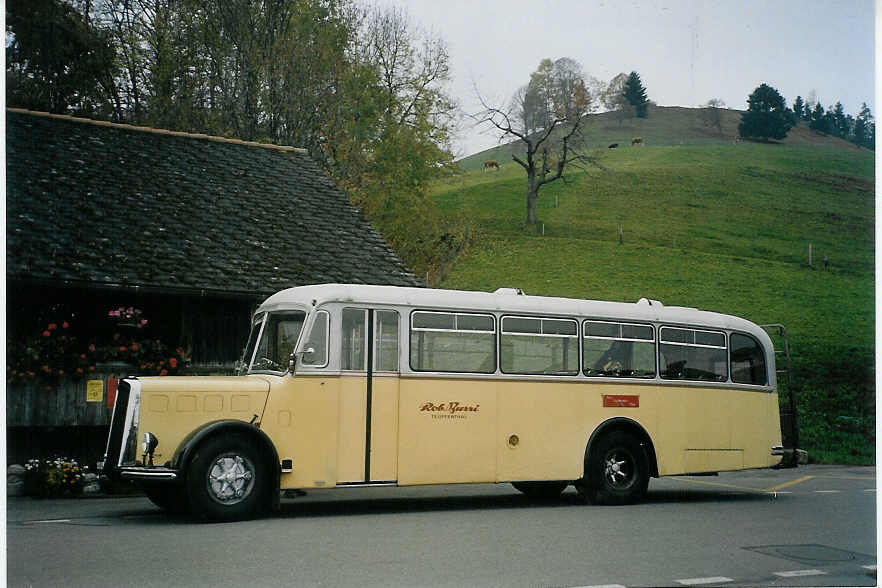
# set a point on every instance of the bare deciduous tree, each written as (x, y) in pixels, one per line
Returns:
(546, 117)
(712, 114)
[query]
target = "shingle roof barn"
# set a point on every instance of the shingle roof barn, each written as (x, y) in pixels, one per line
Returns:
(117, 205)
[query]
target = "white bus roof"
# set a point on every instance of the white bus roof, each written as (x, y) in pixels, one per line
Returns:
(507, 300)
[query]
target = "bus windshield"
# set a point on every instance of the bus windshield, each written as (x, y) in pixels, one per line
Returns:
(273, 338)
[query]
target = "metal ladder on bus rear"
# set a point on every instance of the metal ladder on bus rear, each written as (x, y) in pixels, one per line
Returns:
(789, 425)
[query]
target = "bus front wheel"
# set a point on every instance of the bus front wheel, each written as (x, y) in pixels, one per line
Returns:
(616, 471)
(227, 479)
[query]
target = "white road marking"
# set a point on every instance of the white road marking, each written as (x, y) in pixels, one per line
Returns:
(872, 568)
(700, 581)
(800, 573)
(48, 521)
(827, 491)
(602, 586)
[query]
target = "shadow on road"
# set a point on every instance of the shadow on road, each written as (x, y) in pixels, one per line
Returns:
(356, 502)
(303, 507)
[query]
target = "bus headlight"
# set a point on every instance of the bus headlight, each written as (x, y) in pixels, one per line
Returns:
(148, 445)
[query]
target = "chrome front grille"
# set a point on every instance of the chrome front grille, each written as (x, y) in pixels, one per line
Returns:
(129, 445)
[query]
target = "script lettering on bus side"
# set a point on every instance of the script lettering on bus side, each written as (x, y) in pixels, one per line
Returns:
(449, 410)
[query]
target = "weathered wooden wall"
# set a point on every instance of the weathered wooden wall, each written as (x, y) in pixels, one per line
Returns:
(65, 405)
(32, 405)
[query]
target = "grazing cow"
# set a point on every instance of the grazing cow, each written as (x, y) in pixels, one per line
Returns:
(613, 146)
(491, 164)
(738, 139)
(636, 141)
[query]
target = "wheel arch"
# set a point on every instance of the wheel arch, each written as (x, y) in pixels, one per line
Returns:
(629, 426)
(184, 454)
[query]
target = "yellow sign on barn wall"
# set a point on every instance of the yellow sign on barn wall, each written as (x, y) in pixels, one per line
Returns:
(94, 390)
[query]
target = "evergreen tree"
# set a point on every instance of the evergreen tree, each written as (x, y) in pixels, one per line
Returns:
(849, 124)
(840, 122)
(766, 116)
(635, 94)
(864, 129)
(807, 113)
(798, 107)
(820, 120)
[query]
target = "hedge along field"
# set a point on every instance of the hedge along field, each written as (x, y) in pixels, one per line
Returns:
(723, 228)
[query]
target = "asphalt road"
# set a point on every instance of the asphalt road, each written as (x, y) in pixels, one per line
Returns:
(811, 526)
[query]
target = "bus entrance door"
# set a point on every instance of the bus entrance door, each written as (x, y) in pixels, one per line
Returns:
(368, 408)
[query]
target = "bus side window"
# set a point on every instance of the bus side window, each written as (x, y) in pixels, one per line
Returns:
(386, 345)
(452, 342)
(539, 346)
(691, 354)
(618, 350)
(317, 341)
(353, 333)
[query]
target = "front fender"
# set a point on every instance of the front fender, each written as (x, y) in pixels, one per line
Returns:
(185, 450)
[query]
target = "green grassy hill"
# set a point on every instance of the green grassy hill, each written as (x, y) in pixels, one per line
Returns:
(719, 226)
(666, 126)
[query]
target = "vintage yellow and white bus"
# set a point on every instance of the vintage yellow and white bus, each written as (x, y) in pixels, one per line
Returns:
(353, 385)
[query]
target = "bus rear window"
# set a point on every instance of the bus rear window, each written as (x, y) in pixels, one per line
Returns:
(747, 359)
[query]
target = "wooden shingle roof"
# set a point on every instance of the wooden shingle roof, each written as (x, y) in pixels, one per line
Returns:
(113, 205)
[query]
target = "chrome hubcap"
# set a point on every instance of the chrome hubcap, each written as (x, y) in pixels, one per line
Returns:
(230, 479)
(618, 469)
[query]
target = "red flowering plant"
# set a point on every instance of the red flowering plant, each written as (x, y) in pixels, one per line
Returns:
(129, 343)
(48, 355)
(56, 351)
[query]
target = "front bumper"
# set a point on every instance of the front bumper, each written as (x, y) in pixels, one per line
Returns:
(143, 474)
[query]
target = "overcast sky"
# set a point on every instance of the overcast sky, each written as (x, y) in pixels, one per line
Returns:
(686, 51)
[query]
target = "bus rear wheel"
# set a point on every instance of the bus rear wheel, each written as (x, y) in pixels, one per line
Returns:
(540, 490)
(616, 472)
(228, 479)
